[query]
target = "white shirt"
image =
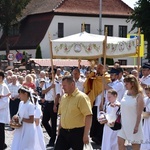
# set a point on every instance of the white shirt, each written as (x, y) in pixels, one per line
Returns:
(50, 95)
(122, 79)
(79, 84)
(145, 80)
(98, 102)
(4, 104)
(14, 89)
(119, 88)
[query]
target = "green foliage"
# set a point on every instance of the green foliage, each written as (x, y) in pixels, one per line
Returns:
(24, 59)
(24, 53)
(38, 53)
(9, 11)
(141, 19)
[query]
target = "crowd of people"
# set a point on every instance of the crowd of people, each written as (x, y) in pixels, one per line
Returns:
(86, 101)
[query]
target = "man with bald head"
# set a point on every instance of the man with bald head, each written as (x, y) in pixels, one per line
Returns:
(93, 88)
(99, 70)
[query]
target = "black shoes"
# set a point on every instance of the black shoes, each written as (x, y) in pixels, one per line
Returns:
(96, 140)
(5, 146)
(50, 145)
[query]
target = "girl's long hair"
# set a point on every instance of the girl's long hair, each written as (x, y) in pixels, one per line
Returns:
(136, 87)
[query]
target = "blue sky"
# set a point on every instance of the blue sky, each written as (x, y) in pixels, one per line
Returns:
(130, 2)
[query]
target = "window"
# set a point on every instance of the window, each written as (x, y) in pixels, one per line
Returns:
(86, 28)
(122, 62)
(60, 30)
(14, 30)
(109, 29)
(122, 31)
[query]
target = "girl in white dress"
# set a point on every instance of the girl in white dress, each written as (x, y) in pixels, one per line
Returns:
(109, 141)
(25, 136)
(37, 116)
(146, 126)
(132, 105)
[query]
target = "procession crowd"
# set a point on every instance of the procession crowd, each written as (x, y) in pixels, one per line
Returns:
(88, 101)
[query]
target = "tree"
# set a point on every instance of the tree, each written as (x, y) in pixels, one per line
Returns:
(10, 10)
(141, 19)
(38, 53)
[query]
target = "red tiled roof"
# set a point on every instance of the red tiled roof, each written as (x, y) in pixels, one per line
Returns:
(60, 62)
(91, 7)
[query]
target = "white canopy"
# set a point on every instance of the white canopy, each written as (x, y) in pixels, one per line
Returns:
(88, 46)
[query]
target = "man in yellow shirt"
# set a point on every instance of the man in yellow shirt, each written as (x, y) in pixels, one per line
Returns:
(75, 117)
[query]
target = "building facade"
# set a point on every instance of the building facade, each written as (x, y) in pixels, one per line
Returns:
(42, 21)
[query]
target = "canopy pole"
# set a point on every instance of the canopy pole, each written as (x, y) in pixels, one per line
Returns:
(138, 50)
(79, 63)
(104, 68)
(51, 57)
(83, 27)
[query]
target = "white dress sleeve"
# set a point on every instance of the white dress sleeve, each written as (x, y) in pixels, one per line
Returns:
(31, 110)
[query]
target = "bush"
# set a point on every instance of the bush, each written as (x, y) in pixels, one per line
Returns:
(38, 53)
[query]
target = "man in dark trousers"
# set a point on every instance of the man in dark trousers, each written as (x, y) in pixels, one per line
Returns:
(75, 117)
(52, 95)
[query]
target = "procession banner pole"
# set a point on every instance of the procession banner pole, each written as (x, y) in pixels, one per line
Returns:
(79, 60)
(79, 63)
(51, 57)
(104, 68)
(138, 50)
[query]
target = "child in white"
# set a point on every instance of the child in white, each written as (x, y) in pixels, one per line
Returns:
(109, 141)
(37, 116)
(146, 126)
(25, 136)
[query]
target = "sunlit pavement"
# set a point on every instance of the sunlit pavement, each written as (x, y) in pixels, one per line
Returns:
(9, 137)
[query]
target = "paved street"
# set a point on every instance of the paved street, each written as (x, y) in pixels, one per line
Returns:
(9, 137)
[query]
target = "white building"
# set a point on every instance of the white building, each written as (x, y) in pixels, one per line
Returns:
(61, 18)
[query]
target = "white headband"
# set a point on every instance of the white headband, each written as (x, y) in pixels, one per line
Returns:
(24, 89)
(30, 91)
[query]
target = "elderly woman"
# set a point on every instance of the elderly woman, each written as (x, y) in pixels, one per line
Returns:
(132, 105)
(29, 82)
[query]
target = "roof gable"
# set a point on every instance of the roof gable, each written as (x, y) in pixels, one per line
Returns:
(32, 30)
(87, 7)
(91, 7)
(40, 6)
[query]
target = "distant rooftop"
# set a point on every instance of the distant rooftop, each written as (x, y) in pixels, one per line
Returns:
(84, 7)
